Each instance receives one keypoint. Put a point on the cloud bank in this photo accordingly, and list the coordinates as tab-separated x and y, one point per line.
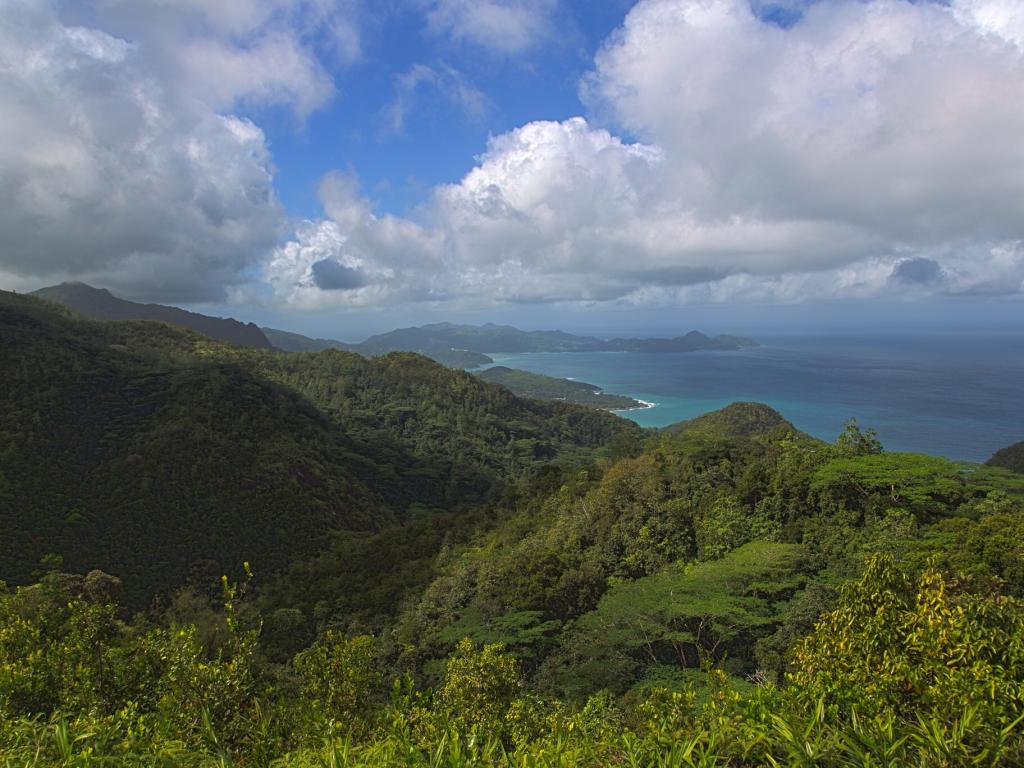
858	149
869	148
120	161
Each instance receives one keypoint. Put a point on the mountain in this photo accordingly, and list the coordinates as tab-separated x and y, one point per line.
101	304
154	453
452	358
526	384
455	346
505	338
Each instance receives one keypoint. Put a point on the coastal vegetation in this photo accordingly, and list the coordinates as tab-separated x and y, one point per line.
536	385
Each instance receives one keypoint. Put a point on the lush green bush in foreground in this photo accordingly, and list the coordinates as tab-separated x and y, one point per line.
905	671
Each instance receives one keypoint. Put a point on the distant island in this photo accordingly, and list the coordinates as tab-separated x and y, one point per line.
467	346
506	339
451	345
541	387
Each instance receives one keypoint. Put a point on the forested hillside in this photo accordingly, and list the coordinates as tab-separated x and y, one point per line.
442	574
160	455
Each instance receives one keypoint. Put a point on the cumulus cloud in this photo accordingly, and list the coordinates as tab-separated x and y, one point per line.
105	176
265	52
502	27
844	153
121	162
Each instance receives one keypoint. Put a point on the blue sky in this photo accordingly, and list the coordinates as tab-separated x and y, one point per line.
344	166
440	137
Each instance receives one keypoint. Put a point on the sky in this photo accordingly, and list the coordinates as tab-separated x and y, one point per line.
340	167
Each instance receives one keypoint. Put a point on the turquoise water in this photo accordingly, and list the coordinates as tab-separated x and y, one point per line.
960	396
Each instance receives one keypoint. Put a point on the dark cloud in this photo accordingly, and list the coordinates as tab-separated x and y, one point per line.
918	271
332	275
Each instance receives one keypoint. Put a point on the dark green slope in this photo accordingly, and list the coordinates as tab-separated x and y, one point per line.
479	436
121	452
152	452
1011	457
101	304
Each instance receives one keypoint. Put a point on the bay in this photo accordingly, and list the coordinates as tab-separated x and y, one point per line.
957	395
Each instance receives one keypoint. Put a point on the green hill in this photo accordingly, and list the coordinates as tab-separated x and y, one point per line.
154	453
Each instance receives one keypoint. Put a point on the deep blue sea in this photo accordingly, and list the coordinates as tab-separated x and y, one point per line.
960	396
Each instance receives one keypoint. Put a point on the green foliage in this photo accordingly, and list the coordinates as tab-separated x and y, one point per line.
479	685
926	486
340	680
921	648
683	616
726	524
905	671
853	441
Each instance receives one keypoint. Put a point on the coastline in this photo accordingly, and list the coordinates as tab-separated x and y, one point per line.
645	406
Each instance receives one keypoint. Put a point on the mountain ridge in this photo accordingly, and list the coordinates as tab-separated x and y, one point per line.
101	304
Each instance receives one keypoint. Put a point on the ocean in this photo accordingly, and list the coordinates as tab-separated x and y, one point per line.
955	395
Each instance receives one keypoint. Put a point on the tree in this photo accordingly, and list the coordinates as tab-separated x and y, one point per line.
853	441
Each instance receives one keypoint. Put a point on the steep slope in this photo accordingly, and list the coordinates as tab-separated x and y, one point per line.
101	304
152	452
122	452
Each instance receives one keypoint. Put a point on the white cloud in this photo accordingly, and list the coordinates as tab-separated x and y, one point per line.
266	52
895	117
771	162
105	175
499	26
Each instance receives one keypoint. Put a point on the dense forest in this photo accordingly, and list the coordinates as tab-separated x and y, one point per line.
152	452
422	569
